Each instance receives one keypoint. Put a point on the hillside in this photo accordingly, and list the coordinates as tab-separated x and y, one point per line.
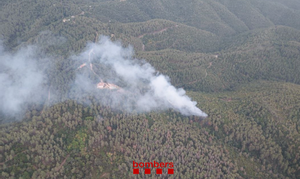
221	18
268	54
242	143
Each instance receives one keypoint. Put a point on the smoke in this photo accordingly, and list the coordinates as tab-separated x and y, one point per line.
134	84
21	79
143	89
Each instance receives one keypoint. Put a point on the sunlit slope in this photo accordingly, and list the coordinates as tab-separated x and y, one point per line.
156	34
265	36
184	69
161	34
269	54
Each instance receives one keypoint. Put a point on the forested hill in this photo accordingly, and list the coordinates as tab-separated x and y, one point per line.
239	59
24	19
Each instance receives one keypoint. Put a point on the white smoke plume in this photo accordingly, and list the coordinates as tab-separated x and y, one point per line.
143	89
138	87
21	79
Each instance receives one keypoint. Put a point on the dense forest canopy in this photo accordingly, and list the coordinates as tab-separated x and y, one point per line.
238	59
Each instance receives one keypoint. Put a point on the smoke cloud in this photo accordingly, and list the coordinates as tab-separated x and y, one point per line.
106	70
142	89
21	79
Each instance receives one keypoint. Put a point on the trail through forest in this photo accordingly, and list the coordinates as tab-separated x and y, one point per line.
64	161
153	33
157	31
210	64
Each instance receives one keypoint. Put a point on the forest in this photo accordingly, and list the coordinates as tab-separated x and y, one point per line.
240	60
